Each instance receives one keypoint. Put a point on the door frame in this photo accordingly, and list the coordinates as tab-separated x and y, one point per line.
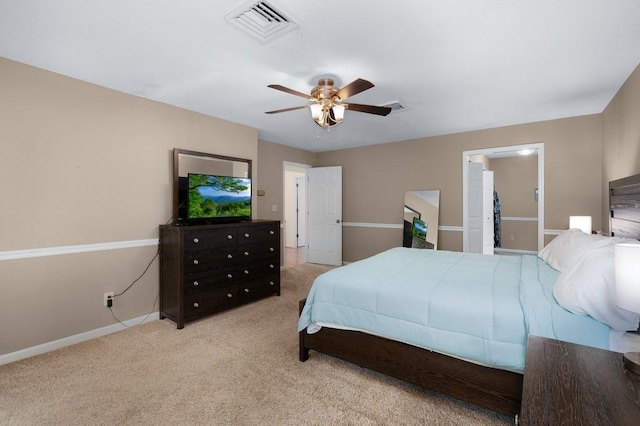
300	184
301	168
503	151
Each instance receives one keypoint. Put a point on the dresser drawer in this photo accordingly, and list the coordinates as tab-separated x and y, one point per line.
261	269
259	251
256	234
200	260
197	306
197	239
207	281
259	288
214	277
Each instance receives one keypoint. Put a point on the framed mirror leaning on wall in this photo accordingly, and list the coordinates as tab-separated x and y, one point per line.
421	212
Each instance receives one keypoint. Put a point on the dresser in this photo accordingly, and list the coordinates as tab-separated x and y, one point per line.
572	384
206	269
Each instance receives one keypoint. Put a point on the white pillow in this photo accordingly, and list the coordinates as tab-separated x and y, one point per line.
588	287
569	247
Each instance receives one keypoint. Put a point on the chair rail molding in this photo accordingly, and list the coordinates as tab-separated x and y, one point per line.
80	248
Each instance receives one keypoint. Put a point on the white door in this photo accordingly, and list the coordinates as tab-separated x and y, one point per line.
487	212
475	203
324	202
480	209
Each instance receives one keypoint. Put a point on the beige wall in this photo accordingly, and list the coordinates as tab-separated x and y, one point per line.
376	177
621	136
81	164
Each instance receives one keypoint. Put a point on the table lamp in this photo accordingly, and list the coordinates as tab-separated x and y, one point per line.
627	276
582	223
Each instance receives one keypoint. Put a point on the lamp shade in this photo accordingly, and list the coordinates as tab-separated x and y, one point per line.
316	111
582	223
627	273
338	112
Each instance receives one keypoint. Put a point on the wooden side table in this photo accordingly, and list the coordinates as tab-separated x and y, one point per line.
572	384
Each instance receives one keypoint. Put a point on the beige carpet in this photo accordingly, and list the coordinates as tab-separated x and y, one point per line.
239	367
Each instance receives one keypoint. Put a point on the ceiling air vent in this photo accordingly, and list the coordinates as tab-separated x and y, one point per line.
395	107
261	20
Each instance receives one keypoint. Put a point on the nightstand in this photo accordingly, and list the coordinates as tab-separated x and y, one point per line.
572	384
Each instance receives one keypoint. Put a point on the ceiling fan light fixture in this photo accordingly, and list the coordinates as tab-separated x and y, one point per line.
327	117
316	111
327	109
338	112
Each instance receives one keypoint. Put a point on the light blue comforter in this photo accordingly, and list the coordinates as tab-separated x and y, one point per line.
471	306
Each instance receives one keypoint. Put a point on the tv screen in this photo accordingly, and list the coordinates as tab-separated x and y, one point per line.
419	229
218	198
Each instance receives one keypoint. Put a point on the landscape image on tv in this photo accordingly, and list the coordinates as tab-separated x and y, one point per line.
419	229
213	196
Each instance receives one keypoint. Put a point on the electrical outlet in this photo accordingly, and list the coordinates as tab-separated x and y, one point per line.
108	296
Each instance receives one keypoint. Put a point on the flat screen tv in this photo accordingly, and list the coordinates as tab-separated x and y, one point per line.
216	198
419	229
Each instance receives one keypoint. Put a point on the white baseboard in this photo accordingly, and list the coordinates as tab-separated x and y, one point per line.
72	340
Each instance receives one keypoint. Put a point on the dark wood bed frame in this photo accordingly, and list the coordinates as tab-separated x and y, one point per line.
495	389
498	390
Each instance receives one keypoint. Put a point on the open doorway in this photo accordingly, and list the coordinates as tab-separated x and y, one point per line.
294	215
533	219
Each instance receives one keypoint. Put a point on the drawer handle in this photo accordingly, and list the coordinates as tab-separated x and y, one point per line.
246	235
195	261
271	249
229	237
229	295
229	276
196	283
229	256
271	232
271	266
246	253
246	272
195	305
196	240
246	290
271	283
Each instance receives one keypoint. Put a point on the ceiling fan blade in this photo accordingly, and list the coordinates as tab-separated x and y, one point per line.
286	109
354	88
290	91
369	109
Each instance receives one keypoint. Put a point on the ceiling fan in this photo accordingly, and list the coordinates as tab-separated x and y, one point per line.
327	109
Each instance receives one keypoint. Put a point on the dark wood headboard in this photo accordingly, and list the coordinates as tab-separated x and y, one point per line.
624	203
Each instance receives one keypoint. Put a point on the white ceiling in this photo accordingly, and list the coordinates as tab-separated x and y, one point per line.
454	65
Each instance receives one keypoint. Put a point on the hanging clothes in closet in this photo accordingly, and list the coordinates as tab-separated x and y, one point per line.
497	235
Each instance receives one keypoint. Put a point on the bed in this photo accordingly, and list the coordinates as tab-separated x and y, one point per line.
461	330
